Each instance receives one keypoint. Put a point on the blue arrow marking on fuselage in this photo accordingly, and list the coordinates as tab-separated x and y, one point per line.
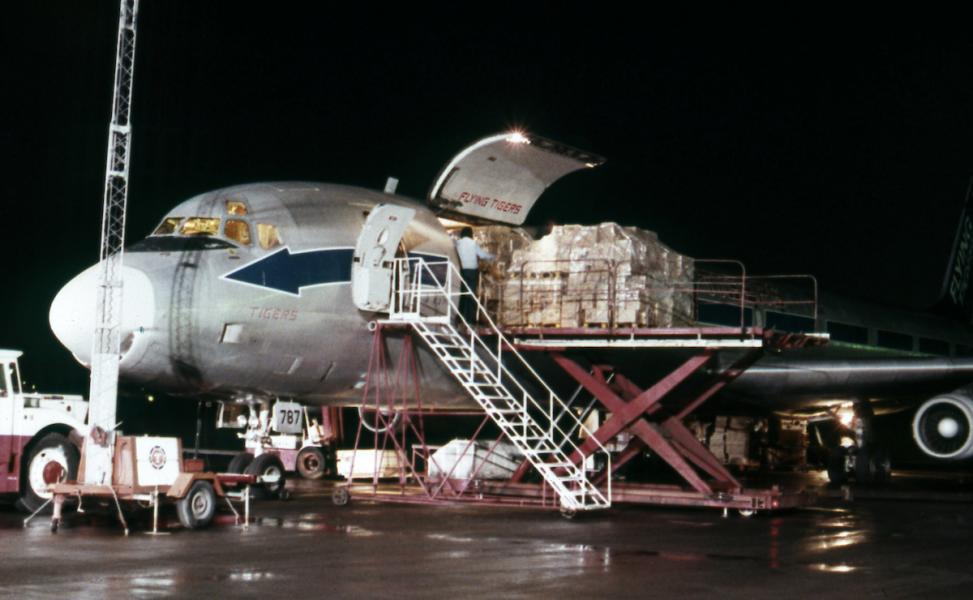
288	272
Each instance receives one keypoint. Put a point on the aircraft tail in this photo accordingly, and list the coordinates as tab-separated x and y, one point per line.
956	298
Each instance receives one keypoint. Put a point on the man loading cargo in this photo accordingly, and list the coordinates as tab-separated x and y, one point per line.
470	254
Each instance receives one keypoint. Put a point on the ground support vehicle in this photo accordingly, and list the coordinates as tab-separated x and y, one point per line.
40	437
284	438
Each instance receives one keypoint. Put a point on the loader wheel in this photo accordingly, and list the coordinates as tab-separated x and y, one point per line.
52	460
239	462
269	468
311	463
872	466
837	473
196	508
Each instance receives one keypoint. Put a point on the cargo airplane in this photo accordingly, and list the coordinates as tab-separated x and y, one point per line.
264	291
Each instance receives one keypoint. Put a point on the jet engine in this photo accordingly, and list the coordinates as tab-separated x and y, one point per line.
943	426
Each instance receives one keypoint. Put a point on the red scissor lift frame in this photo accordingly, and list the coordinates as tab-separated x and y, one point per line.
394	395
654	416
658	426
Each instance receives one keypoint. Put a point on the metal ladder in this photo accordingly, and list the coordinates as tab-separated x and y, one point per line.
544	430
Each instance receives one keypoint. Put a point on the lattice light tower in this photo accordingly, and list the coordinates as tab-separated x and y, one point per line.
106	346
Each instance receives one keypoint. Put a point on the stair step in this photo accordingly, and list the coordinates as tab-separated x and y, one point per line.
559	465
540	451
476	371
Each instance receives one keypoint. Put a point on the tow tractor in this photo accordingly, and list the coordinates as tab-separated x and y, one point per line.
280	438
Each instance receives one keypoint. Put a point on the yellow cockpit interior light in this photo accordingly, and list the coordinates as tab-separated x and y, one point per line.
267	236
168	226
200	226
238	231
236	208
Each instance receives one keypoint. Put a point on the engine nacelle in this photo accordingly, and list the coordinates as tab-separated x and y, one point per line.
943	426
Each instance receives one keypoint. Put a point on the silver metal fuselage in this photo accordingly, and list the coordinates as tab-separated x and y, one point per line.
209	335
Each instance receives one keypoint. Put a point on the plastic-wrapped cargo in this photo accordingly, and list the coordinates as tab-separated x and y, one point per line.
587	276
501	242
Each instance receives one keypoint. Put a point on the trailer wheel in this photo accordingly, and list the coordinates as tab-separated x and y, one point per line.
53	459
197	507
239	462
340	496
311	463
271	470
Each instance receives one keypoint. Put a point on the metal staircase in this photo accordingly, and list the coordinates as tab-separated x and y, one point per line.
538	423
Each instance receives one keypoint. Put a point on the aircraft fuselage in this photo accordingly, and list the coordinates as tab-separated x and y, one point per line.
249	295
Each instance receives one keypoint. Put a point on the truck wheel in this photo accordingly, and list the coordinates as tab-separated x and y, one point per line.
271	470
53	459
311	463
197	507
239	462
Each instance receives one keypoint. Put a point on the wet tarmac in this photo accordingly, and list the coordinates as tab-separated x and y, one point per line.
309	548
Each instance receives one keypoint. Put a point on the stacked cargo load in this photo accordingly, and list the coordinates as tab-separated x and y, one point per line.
586	276
500	241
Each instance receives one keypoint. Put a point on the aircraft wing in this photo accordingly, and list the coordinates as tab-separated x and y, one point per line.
786	378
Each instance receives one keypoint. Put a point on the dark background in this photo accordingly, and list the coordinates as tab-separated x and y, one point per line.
834	148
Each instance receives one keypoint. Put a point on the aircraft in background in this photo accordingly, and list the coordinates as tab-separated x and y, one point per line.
263	291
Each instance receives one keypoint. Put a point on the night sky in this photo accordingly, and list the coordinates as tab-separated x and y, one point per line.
839	152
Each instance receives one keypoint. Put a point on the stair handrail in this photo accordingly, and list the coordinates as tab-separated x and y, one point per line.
410	273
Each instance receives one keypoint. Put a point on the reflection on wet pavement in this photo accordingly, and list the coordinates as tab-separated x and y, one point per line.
309	547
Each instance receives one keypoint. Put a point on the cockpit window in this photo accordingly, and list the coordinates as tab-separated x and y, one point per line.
200	226
268	236
168	226
236	207
238	231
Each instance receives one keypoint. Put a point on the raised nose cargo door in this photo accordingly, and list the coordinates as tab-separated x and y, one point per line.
371	265
500	177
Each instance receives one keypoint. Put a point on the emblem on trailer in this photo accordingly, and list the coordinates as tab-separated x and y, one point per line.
157	457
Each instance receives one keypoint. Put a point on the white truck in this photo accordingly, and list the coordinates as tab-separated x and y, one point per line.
40	437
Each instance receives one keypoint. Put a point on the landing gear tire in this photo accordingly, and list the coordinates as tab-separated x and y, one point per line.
311	463
271	470
340	496
837	474
239	462
872	466
52	460
197	508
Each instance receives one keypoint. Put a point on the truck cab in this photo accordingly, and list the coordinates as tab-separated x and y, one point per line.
39	436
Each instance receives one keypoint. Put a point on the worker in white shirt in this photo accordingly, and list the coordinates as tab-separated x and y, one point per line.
470	254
